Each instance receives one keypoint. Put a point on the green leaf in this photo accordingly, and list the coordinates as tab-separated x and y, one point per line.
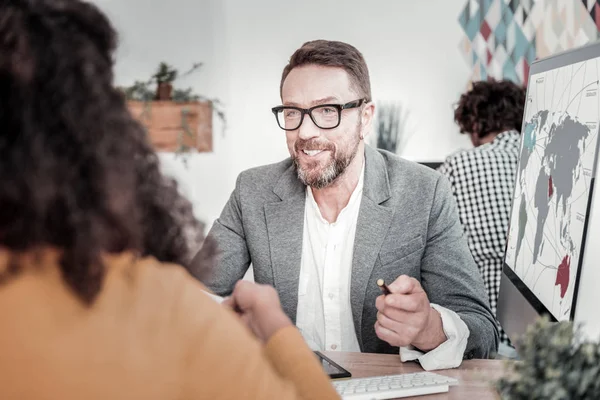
555	364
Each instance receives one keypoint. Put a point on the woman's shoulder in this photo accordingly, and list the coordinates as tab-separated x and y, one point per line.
174	284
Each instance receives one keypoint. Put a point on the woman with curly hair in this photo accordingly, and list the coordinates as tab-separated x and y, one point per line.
94	301
482	178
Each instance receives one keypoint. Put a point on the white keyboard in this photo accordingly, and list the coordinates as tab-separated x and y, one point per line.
393	386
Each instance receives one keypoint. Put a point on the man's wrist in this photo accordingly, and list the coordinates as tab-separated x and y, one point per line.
433	335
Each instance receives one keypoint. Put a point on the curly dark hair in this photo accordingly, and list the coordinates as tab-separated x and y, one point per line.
76	169
491	107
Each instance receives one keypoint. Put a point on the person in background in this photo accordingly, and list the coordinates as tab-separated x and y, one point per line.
93	303
482	178
325	224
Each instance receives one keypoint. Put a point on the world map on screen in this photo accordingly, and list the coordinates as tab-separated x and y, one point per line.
554	178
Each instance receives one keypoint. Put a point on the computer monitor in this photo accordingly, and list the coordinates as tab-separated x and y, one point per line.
431	164
555	217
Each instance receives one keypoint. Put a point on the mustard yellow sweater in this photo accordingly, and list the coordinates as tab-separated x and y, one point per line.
151	334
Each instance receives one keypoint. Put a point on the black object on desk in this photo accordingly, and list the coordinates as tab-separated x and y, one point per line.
331	368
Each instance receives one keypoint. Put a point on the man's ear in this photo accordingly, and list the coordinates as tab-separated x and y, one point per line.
367	115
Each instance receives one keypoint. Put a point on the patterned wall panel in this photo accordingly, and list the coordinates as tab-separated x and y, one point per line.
503	37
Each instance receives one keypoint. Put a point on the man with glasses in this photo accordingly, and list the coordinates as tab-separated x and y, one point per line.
324	225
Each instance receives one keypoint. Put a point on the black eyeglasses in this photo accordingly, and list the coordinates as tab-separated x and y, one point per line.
325	116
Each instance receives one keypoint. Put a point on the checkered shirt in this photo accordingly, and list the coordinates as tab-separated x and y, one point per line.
482	181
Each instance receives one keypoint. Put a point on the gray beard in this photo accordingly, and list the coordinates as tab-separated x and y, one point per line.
324	179
333	171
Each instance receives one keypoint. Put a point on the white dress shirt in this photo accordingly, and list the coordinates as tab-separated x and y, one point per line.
324	314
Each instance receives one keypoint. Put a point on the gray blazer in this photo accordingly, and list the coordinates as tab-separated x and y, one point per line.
407	224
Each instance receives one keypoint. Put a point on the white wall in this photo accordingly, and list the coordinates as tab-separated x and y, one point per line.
181	32
411	48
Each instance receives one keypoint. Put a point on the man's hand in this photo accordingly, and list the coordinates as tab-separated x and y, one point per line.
259	308
405	317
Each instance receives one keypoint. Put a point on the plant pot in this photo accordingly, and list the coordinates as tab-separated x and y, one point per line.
164	91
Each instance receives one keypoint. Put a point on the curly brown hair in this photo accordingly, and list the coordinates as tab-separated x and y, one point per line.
76	169
491	107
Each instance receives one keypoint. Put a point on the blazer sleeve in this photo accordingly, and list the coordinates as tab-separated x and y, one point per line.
450	276
227	362
233	255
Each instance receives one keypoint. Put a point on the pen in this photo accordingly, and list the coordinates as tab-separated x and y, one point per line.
383	287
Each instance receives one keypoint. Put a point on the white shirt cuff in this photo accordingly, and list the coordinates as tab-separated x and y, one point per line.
448	354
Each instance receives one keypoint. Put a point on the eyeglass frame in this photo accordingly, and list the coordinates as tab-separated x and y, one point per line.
308	111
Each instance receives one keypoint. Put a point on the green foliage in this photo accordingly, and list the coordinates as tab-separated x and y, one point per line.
556	363
165	73
146	90
139	91
184	95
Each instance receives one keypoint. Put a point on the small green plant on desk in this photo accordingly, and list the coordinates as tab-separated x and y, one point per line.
556	363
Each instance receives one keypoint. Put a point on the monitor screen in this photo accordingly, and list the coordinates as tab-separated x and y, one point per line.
431	164
553	185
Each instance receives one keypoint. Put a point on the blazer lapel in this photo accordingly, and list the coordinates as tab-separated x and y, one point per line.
285	228
374	220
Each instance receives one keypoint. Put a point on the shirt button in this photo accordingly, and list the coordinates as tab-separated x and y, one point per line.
331	296
333	346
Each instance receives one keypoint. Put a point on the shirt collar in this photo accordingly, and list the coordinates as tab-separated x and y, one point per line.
356	194
505	136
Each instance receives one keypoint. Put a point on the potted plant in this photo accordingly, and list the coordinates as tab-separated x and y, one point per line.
164	77
556	363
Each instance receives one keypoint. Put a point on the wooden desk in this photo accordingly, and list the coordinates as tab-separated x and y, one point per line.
475	377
